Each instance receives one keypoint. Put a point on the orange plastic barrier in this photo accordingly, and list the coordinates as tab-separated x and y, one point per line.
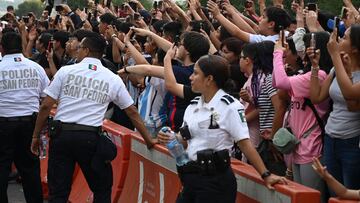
152	176
338	200
251	188
80	191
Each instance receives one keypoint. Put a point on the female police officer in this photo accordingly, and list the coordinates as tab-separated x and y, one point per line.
212	122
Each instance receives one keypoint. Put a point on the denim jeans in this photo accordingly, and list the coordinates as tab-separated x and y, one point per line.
342	159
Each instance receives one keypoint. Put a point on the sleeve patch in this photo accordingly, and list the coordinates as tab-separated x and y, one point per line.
241	113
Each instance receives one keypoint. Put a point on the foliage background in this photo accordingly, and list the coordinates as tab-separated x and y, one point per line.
36	6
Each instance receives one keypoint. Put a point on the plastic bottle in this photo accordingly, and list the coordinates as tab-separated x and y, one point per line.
175	148
150	126
43	143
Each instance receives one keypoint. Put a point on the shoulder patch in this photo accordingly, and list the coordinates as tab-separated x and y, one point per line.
227	99
241	113
195	100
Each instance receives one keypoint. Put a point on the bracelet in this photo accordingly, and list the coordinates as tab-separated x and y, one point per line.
113	35
289	173
265	174
315	68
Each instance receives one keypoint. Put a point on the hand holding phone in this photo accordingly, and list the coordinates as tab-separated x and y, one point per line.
50	45
155	5
59	8
25	19
312	7
313	42
177	40
57	19
282	35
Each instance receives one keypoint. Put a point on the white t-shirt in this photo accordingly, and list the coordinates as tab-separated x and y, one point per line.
84	91
22	83
229	117
259	38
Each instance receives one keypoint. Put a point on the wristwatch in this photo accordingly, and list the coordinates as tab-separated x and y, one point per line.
265	174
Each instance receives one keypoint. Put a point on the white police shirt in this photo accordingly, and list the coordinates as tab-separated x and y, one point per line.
227	125
22	83
84	91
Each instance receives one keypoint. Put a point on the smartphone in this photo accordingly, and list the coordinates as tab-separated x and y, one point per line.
336	25
160	5
312	7
25	19
57	19
49	47
136	16
313	41
282	36
59	8
177	40
89	15
133	5
248	4
155	5
343	14
108	3
86	10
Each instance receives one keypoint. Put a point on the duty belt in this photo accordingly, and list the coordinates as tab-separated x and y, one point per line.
78	127
16	119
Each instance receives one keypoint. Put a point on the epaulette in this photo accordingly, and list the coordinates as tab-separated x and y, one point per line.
195	100
227	99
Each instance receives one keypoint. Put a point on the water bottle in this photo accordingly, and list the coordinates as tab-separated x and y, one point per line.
151	127
43	143
175	148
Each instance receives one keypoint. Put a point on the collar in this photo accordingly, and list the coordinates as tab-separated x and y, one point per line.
91	60
213	102
11	57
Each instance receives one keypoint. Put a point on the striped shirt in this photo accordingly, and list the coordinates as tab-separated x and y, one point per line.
265	106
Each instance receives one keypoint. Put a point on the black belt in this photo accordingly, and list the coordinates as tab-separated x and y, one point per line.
78	127
16	119
189	167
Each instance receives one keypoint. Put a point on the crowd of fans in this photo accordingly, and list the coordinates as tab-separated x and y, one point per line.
296	71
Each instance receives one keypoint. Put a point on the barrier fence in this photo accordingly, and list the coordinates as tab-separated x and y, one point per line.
142	175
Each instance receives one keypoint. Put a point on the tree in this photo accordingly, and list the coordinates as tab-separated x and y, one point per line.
34	6
77	3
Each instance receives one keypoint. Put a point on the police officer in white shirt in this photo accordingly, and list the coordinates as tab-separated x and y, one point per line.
21	87
212	122
83	92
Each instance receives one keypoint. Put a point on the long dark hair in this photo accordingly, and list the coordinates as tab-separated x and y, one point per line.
262	56
354	36
325	62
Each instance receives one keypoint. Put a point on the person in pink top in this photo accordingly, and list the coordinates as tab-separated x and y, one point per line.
301	118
